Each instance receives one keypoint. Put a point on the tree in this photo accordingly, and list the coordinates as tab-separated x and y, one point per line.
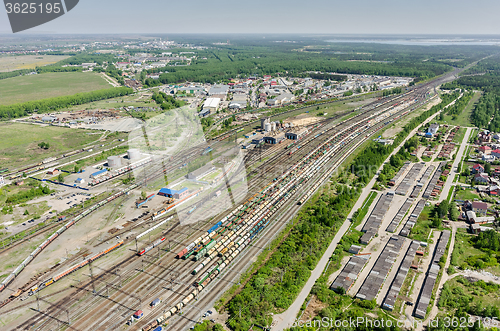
60	178
454	213
143	195
26	212
487	168
436	222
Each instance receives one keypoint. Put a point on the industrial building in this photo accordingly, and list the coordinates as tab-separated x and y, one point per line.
433	129
274	139
176	194
296	135
114	161
99	173
211	104
258	139
200	172
263	122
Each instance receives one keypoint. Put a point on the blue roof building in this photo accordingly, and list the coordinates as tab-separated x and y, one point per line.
177	194
98	173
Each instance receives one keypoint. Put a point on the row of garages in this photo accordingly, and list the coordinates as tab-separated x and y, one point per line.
398	175
381	269
400	215
412	220
373	222
409	179
432	274
422	181
397	283
431	189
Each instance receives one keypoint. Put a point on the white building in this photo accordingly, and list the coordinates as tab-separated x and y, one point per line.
211	103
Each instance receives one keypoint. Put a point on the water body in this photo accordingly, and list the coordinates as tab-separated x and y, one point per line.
422	41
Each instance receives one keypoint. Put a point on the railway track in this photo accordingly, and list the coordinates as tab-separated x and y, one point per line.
183	269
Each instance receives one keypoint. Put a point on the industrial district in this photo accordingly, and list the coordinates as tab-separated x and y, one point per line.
163	217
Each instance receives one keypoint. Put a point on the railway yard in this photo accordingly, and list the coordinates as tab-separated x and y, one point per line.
187	251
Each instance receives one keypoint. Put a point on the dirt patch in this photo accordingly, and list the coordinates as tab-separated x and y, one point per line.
393	131
312	310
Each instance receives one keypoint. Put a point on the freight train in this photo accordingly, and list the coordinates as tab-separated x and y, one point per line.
54	279
229	236
42	246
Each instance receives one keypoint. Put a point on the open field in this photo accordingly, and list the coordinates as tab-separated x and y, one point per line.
464	118
466	195
10	63
35	87
20	142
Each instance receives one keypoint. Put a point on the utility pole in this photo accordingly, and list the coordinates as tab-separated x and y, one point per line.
92	278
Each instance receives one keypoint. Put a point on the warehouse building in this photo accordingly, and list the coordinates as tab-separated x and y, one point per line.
176	194
218	89
200	172
296	135
98	174
211	104
274	139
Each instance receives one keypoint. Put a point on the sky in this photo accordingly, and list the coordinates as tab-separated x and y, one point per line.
275	16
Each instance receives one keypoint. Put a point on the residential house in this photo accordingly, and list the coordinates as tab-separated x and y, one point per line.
481	178
488	158
479	207
485	149
477	168
494	190
495	152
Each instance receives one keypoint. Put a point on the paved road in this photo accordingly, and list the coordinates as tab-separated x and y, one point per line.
451	177
285	319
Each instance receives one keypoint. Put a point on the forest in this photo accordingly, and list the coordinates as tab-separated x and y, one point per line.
51	104
225	63
366	164
484	76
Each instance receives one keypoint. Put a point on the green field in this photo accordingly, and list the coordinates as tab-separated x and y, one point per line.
464	118
20	142
42	86
466	195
